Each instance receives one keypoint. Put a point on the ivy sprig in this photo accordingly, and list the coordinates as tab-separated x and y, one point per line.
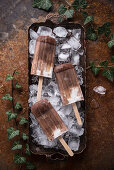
11	115
16	145
7	97
108	72
23	121
42	4
14	132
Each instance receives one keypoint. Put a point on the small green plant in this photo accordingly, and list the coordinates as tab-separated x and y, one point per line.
20	144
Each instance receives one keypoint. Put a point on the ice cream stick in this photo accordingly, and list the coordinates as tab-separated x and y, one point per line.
77	115
39	91
65	146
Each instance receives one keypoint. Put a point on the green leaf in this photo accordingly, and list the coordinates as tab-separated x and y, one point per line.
42	4
88	19
19	159
107	33
11	115
91	64
112	59
90	34
18	86
111	43
62	9
104	64
109	74
18	106
9	77
95	70
104	29
67	12
112	37
78	4
30	166
7	97
16	145
24	136
23	121
12	133
85	15
27	150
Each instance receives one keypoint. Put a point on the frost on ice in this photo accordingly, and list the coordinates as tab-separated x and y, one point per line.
68	49
99	89
33	34
32	44
63	57
44	31
74	144
60	31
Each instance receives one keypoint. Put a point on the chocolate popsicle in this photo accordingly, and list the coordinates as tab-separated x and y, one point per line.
50	122
43	60
69	86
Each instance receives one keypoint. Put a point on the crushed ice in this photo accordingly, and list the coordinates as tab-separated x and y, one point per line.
68	49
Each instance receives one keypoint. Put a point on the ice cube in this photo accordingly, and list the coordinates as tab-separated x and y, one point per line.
74	144
80	79
44	31
41	139
63	57
33	34
76	33
79	70
65	46
77	131
33	120
75	59
99	89
74	43
32	100
60	31
80	51
33	90
66	109
51	93
58	47
71	122
32	44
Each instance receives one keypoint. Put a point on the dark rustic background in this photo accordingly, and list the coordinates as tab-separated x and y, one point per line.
15	18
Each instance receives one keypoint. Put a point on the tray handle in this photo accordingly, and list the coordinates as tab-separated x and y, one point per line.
56	18
56	156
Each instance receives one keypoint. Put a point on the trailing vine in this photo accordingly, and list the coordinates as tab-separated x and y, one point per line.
14	114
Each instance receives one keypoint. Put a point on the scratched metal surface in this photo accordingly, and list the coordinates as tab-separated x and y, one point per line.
15	18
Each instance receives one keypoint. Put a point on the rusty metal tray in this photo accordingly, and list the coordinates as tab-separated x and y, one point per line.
38	149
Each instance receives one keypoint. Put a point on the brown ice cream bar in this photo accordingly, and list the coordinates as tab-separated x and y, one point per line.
48	118
43	60
68	83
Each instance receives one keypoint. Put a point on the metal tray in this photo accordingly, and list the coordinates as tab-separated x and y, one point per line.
38	149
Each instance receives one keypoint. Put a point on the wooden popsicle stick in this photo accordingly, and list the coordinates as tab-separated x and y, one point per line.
39	91
65	146
77	114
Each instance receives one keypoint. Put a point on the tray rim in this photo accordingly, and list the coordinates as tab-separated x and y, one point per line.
50	154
